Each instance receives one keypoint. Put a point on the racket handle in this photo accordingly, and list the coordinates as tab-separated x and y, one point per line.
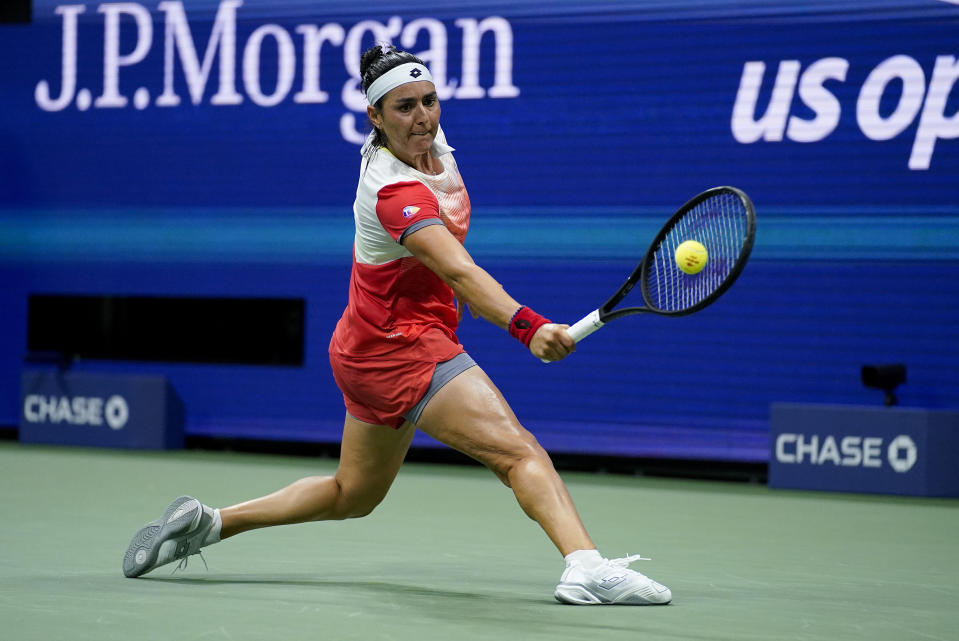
583	328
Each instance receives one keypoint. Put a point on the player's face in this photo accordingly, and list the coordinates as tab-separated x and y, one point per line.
410	119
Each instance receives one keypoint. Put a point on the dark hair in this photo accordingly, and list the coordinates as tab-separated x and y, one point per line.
374	62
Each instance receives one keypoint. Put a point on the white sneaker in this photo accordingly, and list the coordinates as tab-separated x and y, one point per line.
179	533
610	582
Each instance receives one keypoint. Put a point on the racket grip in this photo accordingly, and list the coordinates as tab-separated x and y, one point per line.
583	328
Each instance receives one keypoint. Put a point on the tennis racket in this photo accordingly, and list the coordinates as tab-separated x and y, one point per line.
723	221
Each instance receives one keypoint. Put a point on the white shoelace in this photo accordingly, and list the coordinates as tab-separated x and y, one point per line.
185	561
626	560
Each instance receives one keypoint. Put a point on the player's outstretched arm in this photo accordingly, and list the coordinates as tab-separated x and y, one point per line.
436	248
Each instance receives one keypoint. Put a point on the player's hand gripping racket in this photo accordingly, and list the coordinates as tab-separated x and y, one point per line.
696	257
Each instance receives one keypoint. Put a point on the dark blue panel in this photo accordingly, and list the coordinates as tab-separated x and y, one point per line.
851	448
697	386
93	410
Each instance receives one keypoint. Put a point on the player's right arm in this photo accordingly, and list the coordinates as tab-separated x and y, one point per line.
435	247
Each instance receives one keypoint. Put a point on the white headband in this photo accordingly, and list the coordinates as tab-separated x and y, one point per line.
407	72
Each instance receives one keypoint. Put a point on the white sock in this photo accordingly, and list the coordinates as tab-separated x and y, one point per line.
586	558
213	536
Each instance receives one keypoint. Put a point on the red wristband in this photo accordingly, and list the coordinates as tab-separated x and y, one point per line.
524	324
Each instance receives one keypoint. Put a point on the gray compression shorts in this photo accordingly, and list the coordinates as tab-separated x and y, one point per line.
443	374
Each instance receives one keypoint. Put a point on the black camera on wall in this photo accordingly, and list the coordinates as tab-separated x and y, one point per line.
885	377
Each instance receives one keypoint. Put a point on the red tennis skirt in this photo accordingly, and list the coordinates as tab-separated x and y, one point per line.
382	389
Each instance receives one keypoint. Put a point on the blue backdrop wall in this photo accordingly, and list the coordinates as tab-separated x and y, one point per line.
210	148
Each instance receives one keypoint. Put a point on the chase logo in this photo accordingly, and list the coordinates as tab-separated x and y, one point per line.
848	451
902	453
410	210
77	410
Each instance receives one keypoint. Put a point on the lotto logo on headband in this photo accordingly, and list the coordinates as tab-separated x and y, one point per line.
409	210
416	73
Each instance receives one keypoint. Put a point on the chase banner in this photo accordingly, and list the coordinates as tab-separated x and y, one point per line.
96	410
875	450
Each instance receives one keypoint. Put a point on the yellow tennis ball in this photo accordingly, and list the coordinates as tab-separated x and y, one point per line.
691	257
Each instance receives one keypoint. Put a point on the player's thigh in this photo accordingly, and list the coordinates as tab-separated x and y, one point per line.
370	457
471	415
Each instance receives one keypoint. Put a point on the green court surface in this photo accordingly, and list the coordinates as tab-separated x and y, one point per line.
449	555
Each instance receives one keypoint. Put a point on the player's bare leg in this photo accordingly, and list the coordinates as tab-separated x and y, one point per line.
470	414
370	457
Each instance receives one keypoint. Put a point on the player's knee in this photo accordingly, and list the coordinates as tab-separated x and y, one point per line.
359	511
524	456
364	507
355	504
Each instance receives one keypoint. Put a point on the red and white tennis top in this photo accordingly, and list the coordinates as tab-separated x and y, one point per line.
400	314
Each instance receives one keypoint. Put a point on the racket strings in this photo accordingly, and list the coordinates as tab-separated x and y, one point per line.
720	223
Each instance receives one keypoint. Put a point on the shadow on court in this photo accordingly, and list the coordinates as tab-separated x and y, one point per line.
379	590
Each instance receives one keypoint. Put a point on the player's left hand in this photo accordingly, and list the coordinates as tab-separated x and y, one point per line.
552	342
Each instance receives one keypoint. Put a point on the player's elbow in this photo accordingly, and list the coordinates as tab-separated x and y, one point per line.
462	276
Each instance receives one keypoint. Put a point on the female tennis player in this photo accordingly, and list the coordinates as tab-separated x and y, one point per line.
399	365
